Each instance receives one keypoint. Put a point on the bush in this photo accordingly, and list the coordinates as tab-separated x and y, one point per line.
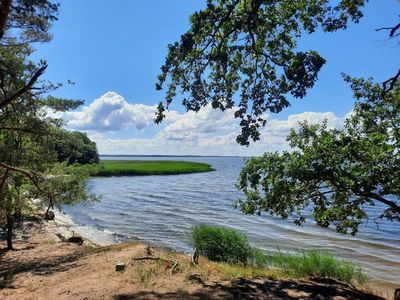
221	244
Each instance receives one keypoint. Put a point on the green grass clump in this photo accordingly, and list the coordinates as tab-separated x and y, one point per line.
221	244
227	245
148	167
316	263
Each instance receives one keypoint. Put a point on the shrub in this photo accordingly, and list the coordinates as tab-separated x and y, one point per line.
221	244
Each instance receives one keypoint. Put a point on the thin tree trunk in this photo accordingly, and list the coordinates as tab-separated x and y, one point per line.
4	12
10	224
48	209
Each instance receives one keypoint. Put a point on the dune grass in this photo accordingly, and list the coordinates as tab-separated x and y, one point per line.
235	255
149	167
221	244
315	263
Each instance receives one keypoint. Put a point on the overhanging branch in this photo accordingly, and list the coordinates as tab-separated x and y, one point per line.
25	89
389	84
30	175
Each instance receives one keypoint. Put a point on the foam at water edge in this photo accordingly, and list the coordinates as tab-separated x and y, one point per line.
99	237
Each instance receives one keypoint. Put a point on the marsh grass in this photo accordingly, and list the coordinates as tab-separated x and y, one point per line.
315	263
237	258
234	271
221	244
148	167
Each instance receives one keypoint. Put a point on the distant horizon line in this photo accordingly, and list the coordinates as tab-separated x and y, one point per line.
165	155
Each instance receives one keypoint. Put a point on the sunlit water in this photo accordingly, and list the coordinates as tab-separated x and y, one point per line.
162	209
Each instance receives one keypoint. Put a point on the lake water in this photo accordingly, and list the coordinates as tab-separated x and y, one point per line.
162	209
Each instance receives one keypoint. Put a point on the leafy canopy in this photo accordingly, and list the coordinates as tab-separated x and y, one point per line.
248	48
28	166
74	147
335	172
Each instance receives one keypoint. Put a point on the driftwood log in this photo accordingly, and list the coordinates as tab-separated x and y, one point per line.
195	257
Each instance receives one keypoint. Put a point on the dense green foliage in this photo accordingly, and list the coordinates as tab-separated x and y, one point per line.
75	148
248	48
28	168
335	172
149	167
221	244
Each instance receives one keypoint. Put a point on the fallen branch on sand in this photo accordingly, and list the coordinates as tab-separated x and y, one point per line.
174	266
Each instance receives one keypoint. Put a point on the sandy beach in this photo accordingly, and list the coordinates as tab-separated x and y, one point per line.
43	266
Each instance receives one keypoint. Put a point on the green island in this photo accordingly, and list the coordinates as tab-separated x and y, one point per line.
149	167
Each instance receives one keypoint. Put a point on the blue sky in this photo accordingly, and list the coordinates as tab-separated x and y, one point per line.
113	52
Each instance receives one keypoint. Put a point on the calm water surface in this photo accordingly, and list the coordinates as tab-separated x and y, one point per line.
162	209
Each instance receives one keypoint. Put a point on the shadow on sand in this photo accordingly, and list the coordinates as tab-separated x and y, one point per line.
44	267
263	289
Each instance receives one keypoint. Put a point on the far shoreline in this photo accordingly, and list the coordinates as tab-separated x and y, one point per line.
166	155
108	168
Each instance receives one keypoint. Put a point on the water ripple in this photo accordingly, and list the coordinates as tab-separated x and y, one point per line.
162	209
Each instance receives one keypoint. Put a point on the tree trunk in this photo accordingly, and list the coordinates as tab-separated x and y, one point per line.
10	223
4	12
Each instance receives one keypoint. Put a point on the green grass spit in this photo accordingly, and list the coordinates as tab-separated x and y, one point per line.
148	167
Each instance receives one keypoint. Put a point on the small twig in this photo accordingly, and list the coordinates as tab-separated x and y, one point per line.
148	250
61	237
392	29
174	267
148	257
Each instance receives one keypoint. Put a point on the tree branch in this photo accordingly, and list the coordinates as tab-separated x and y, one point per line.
379	198
26	130
392	29
28	174
391	82
25	89
3	181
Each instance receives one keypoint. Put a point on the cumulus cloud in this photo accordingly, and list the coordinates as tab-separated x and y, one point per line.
277	127
208	132
111	112
207	122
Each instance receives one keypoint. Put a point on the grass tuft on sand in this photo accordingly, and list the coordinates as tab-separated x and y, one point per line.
148	167
236	257
315	264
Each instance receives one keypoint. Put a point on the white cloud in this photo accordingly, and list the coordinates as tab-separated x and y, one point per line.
111	112
208	132
280	128
207	122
